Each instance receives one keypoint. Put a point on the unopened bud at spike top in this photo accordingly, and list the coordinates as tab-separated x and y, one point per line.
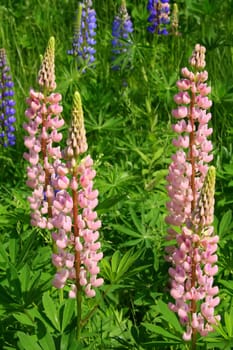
46	75
175	19
197	59
205	207
76	143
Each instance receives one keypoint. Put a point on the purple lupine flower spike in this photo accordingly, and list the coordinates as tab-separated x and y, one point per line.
159	16
7	110
121	28
84	35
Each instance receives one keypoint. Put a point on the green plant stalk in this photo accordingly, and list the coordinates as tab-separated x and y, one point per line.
77	28
91	313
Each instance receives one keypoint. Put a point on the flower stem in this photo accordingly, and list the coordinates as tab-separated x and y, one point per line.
193	204
194	339
192	158
77	259
47	174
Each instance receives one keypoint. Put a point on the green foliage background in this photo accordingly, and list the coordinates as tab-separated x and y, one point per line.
129	136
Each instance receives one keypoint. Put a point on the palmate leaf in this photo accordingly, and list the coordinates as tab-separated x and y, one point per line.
126	230
139	224
126	262
101	124
120	266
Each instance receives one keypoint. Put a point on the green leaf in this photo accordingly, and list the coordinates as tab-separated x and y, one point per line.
169	316
159	330
50	310
26	249
106	268
24	319
14	282
126	230
131	242
157	155
229	324
67	313
110	202
225	223
47	342
25	277
12	249
227	284
115	261
28	342
68	341
3	254
7	301
221	331
138	223
142	155
126	262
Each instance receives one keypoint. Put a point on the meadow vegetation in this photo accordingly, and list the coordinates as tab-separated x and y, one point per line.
128	118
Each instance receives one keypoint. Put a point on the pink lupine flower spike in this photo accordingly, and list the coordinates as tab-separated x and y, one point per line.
191	191
74	217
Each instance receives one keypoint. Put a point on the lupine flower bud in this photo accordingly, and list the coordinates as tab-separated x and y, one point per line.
175	20
121	28
7	103
191	207
84	35
76	143
159	16
46	76
198	57
204	213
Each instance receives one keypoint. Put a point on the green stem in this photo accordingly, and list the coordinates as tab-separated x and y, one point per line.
91	313
79	313
61	294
